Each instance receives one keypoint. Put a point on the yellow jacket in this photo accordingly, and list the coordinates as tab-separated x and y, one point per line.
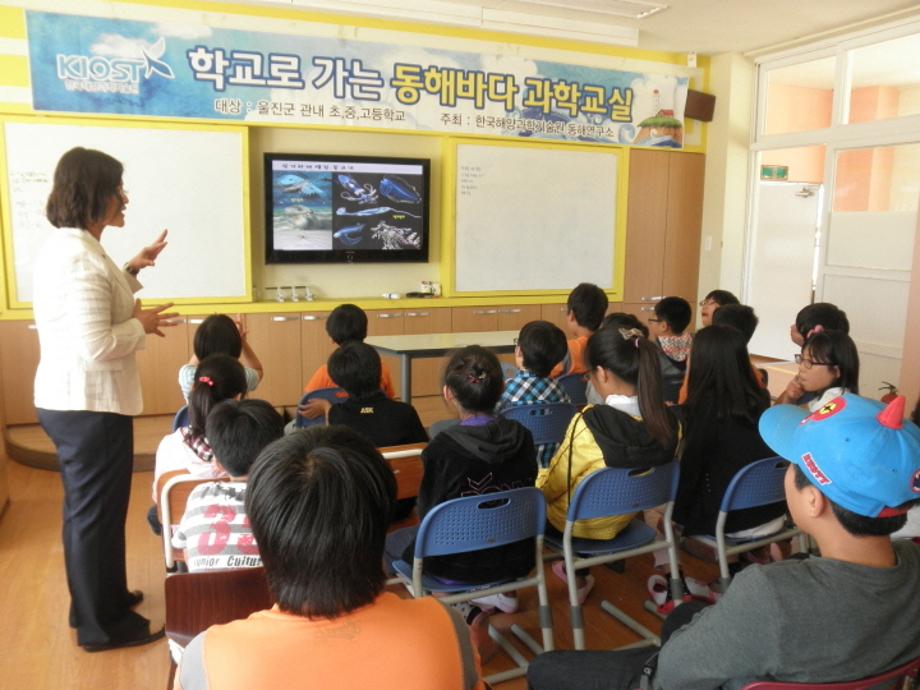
627	444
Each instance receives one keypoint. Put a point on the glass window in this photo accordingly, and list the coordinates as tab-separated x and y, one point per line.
800	97
886	80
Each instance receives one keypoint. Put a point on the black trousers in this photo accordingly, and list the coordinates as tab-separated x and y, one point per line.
96	454
614	670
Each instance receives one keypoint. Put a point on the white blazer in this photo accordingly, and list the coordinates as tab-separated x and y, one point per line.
83	304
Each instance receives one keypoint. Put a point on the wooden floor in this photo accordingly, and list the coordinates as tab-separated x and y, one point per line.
38	651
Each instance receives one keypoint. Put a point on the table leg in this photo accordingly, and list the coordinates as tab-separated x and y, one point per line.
405	377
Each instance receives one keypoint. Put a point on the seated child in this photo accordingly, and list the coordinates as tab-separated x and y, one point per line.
480	455
346	323
633	428
585	309
820	315
319	502
828	367
540	346
711	303
669	329
220	335
617	319
355	367
214	531
848	614
217	378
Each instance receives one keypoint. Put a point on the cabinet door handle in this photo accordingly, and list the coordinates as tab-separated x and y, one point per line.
416	314
653	298
196	322
281	319
515	310
646	308
313	317
32	327
485	312
389	315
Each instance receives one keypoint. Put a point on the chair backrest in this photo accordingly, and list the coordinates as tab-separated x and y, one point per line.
406	463
173	490
473	523
888	679
333	395
621	491
196	601
758	484
181	418
577	388
546	422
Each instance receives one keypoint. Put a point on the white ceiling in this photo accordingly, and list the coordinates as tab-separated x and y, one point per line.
702	26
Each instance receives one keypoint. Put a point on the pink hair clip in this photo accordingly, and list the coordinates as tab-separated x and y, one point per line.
206	380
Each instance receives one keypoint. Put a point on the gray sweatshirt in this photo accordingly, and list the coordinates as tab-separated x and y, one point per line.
813	620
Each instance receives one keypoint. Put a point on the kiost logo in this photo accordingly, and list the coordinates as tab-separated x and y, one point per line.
102	74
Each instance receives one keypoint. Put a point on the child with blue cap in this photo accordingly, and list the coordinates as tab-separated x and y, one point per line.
851	613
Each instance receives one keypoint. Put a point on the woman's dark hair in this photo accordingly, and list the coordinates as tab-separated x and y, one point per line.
739	316
238	430
836	348
676	312
217	378
85	181
721	297
317	563
721	382
620	319
855	524
633	359
543	345
346	322
217	335
474	375
355	367
824	314
587	303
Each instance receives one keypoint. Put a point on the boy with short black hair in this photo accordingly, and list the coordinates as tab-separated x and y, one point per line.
818	316
585	309
712	302
739	316
849	614
237	430
355	367
541	345
669	329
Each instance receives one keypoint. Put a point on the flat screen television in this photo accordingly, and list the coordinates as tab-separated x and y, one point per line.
346	209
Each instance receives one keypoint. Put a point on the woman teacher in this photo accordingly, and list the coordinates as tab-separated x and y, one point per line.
87	388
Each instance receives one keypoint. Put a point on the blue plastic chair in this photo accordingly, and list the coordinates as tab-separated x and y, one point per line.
577	388
181	418
474	523
546	422
333	395
610	492
759	484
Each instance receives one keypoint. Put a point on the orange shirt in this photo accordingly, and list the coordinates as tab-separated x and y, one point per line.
321	379
576	358
391	644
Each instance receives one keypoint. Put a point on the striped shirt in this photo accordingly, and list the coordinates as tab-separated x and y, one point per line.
215	531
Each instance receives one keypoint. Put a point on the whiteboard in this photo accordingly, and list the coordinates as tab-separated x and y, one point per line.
189	180
534	218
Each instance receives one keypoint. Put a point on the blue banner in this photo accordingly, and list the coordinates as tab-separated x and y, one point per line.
118	66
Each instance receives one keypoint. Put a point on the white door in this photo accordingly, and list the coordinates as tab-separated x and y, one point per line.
782	263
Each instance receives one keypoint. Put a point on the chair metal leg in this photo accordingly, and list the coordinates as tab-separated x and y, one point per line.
630	623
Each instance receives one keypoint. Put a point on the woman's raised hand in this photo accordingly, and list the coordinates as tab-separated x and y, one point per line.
154	319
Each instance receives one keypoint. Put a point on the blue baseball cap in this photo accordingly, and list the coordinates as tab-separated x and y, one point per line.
863	455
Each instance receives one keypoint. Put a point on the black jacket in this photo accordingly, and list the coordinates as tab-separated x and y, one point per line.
470	461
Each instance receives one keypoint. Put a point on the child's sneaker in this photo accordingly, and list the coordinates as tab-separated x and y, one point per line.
583	591
507	603
659	590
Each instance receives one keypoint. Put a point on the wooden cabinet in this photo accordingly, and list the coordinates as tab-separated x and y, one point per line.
388	322
641	309
158	366
513	317
19	355
315	344
555	313
474	319
427	373
664	220
276	340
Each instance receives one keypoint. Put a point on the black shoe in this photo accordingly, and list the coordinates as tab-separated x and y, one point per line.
153	519
143	637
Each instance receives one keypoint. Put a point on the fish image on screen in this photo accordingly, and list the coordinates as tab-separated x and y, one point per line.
345	209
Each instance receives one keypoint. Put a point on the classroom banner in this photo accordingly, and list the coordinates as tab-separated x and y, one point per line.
126	67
